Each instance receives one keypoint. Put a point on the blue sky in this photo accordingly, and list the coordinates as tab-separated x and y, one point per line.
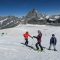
21	7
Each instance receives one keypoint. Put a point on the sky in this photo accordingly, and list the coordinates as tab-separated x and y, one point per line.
22	7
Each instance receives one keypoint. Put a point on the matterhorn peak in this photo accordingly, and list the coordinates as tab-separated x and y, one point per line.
34	13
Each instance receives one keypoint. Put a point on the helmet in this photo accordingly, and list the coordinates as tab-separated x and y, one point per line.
39	31
53	35
26	32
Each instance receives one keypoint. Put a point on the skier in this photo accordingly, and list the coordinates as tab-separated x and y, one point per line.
53	42
26	35
2	34
38	37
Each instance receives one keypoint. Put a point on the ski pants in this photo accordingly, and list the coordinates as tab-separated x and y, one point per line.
26	41
52	44
38	43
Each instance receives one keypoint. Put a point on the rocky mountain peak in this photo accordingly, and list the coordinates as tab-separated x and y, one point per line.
34	13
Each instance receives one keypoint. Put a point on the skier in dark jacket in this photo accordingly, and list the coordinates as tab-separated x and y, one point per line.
53	42
38	37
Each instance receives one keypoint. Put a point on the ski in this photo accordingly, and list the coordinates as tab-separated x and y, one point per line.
31	47
49	49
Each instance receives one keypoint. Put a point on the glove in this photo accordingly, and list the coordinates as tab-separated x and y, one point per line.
32	37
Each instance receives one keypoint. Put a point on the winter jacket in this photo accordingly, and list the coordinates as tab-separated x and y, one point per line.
53	40
38	37
26	36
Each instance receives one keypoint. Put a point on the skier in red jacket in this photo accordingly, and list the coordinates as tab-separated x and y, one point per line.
26	36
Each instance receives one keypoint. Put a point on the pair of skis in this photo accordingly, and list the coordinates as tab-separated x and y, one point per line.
31	47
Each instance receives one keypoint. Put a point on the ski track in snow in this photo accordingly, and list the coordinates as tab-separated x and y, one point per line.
12	49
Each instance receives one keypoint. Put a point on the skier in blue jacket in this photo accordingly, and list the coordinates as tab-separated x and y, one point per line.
53	42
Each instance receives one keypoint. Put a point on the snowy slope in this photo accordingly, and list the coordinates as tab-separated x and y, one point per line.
12	49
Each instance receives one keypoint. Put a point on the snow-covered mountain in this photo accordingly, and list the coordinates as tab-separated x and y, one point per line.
8	21
54	17
54	20
34	16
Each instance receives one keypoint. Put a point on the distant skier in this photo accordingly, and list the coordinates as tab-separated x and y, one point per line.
38	37
26	35
2	34
53	42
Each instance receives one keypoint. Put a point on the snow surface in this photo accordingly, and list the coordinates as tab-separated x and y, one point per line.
12	49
